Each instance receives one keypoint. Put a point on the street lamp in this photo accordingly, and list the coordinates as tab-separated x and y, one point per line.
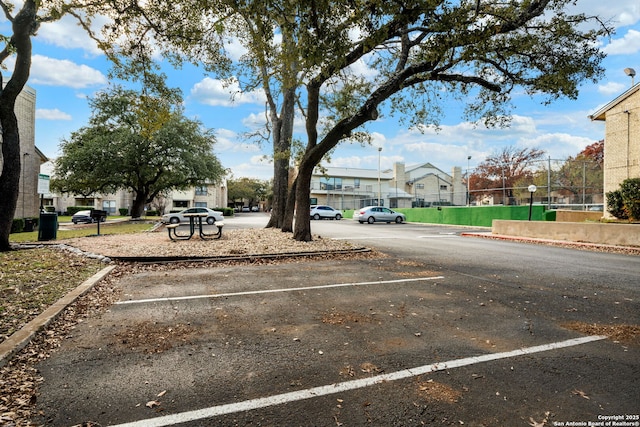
631	73
532	189
379	186
468	188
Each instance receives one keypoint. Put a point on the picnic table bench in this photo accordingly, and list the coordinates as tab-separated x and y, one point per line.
195	221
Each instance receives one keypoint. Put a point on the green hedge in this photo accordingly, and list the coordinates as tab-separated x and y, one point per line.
20	224
477	216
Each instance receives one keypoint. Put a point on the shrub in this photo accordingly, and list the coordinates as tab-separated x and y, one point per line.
153	213
615	205
630	192
225	211
123	211
17	225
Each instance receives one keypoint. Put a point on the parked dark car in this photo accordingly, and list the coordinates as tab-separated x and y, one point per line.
84	217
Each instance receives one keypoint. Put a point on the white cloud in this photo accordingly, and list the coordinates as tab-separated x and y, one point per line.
627	45
61	72
611	89
229	141
557	145
254	121
619	12
257	167
66	33
55	114
216	92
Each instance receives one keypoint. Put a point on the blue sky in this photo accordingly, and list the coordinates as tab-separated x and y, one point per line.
67	69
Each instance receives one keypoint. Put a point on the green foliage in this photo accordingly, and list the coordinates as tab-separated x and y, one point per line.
247	189
630	193
17	225
615	205
125	211
126	147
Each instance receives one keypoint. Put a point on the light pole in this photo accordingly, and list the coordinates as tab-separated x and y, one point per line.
532	189
468	187
379	186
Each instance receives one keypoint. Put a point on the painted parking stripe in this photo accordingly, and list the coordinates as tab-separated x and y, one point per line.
294	396
272	291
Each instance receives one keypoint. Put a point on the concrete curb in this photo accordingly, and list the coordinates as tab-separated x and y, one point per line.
21	338
635	250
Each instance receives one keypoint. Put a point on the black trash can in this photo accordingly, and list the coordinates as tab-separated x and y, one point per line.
29	225
48	227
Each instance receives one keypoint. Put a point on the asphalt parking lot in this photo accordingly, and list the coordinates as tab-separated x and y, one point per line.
413	336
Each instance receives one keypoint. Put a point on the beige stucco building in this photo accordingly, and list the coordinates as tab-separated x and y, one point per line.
621	138
400	187
208	196
28	199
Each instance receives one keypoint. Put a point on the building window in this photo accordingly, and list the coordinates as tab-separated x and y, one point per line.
356	183
443	187
331	184
109	206
201	190
420	186
180	203
200	204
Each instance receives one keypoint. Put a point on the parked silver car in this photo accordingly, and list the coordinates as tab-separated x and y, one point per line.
178	217
321	211
373	214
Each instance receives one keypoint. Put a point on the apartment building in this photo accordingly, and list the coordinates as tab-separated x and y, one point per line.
621	138
399	187
28	199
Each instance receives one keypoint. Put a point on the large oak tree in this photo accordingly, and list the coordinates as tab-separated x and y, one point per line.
139	143
347	63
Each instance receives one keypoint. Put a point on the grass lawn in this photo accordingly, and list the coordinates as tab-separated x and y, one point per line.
87	230
32	279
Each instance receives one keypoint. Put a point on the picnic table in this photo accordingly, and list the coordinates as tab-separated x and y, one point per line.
195	221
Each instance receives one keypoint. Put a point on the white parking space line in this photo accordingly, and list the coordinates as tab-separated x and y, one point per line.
364	238
272	291
294	396
436	236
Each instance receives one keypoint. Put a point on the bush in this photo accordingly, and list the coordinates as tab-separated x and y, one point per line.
630	192
152	213
123	211
225	211
615	205
17	225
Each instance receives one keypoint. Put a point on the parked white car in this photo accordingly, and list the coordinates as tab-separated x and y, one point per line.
373	214
321	212
178	217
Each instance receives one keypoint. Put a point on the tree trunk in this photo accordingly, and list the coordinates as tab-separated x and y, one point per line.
283	134
302	230
11	167
287	223
24	24
137	207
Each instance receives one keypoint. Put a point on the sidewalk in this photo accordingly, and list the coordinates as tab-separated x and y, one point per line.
631	250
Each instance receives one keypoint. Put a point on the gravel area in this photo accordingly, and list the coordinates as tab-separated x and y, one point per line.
255	241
